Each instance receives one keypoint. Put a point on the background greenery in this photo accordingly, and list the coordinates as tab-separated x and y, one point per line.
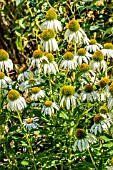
19	35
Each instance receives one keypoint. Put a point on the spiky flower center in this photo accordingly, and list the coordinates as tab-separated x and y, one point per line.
51	14
98	56
47	34
35	90
48	103
3	55
13	95
2	75
50	57
74	25
92	41
103	109
98	118
104	81
22	69
84	67
68	56
81	52
29	121
80	134
88	88
68	90
108	46
111	89
32	81
45	53
37	54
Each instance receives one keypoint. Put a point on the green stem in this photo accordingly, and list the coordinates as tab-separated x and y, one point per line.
50	86
75	48
106	67
70	140
61	166
102	159
92	160
28	137
0	100
5	150
31	150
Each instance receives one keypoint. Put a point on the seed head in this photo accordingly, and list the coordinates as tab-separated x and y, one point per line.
88	88
35	90
103	109
98	118
37	54
50	57
108	46
84	67
2	75
13	95
47	34
3	55
68	56
92	41
48	103
68	90
80	134
81	52
51	15
74	25
104	81
29	121
98	56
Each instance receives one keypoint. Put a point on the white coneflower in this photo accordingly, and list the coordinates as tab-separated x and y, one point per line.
104	112
69	97
48	42
104	85
74	33
51	21
4	80
108	50
98	61
26	85
51	67
100	124
49	107
93	46
68	61
82	56
37	59
83	140
37	93
5	63
87	75
30	123
89	93
15	101
24	74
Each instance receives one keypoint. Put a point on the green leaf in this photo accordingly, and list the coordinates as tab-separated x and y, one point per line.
18	2
63	115
92	28
108	145
19	44
108	31
25	162
105	138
